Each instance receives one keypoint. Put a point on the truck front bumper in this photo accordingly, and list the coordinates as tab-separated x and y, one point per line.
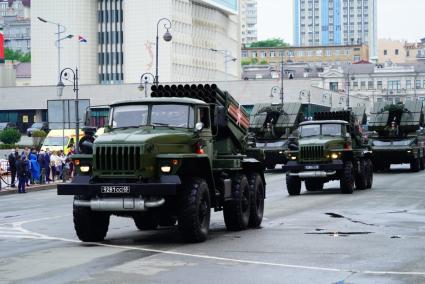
294	166
81	185
273	157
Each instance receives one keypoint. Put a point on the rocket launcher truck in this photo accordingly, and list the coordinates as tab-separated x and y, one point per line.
169	159
398	135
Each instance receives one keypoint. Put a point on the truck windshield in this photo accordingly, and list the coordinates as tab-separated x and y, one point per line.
327	129
173	115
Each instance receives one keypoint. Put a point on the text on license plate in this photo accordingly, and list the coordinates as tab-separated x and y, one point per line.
114	189
315	167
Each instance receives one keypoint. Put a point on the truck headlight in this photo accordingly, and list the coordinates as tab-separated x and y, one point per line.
165	169
85	169
409	151
293	158
334	156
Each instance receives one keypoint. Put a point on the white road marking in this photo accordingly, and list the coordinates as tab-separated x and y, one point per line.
26	234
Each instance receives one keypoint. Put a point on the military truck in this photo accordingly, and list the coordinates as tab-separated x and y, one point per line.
330	148
398	136
271	125
166	159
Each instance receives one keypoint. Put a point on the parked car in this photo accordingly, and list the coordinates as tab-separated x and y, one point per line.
38	126
5	125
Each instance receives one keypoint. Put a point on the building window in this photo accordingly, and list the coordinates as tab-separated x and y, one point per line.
396	52
244	54
394	85
385	52
355	85
272	53
263	54
418	84
333	86
370	85
379	85
408	84
254	54
363	85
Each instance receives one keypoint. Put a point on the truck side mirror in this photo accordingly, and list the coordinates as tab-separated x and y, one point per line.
199	126
87	117
220	116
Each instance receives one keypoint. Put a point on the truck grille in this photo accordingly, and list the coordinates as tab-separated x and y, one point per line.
117	158
311	153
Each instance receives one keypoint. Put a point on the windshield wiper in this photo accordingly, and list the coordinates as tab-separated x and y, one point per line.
162	124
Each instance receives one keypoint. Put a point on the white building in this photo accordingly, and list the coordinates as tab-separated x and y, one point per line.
336	22
248	10
121	40
394	83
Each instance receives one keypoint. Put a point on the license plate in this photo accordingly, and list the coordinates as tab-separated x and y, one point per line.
315	167
115	189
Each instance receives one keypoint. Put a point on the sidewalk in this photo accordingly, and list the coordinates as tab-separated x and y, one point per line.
34	187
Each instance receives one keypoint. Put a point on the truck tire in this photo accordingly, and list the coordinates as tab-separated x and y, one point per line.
293	185
313	185
256	187
194	210
145	221
361	176
369	171
414	165
236	212
90	226
347	178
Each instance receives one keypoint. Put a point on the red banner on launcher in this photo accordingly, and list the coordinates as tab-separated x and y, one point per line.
1	47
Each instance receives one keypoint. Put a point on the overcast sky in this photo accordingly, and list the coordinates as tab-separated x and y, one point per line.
397	19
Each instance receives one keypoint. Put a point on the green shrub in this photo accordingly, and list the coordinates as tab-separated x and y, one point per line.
38	137
10	136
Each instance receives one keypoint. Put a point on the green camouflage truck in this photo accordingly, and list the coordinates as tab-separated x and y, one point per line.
271	125
331	147
398	136
166	159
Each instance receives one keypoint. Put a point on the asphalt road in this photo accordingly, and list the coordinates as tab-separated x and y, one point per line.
371	236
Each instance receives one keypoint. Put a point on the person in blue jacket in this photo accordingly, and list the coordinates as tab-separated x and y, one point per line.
35	167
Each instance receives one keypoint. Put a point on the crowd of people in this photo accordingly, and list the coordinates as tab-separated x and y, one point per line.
35	166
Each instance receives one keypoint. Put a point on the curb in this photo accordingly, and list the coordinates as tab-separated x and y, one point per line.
30	189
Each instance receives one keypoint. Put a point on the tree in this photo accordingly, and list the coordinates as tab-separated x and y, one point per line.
271	42
17	55
10	136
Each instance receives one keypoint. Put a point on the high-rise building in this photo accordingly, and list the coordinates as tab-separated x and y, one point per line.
248	10
121	36
336	22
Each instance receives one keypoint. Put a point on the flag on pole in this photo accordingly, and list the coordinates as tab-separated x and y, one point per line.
81	39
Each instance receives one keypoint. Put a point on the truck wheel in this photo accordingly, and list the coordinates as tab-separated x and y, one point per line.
347	178
145	221
194	210
236	212
369	171
361	176
293	185
414	165
313	185
256	187
90	226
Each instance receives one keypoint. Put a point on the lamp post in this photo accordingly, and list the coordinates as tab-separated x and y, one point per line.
281	81
64	74
61	30
347	82
227	58
167	37
144	82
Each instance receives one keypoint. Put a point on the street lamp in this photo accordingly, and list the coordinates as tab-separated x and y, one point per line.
227	58
306	93
61	30
144	82
64	74
167	37
274	90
